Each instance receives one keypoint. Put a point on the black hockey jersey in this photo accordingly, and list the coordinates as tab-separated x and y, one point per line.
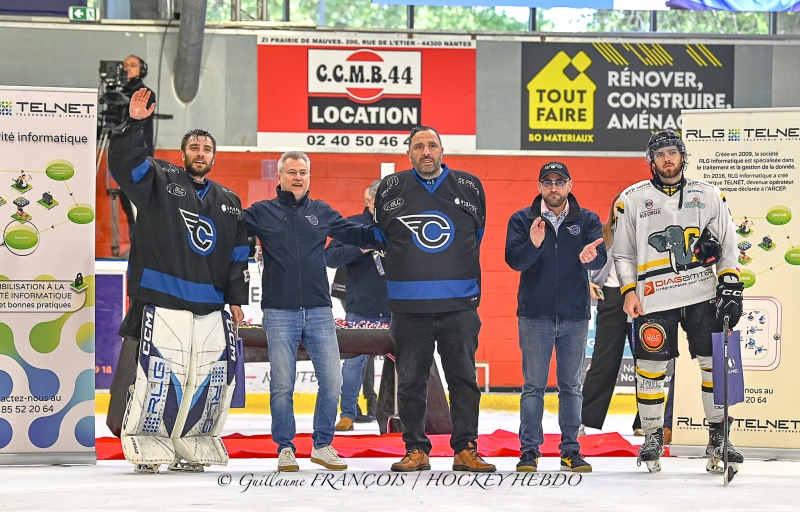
432	231
190	250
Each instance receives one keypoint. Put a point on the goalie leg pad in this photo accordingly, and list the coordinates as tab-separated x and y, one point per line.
209	389
152	410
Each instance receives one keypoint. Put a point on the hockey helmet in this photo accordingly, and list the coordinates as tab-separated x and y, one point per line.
664	139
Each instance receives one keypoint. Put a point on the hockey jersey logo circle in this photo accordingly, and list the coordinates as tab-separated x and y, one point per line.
574	230
394	203
652	336
648	203
176	190
432	231
312	219
202	233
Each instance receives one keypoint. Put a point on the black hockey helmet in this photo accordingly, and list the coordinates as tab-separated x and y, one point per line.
664	139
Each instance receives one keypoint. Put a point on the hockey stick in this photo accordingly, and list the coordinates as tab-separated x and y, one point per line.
727	471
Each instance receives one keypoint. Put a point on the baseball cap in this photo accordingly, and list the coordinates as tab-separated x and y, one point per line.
554	167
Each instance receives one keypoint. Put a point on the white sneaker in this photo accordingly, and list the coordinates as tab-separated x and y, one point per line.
327	456
286	461
582	430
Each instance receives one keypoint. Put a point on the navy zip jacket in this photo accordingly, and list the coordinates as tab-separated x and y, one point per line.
293	235
365	287
553	280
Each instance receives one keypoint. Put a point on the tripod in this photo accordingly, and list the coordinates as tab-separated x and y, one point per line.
112	191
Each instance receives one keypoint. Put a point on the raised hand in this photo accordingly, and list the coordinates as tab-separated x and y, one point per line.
537	232
589	253
138	108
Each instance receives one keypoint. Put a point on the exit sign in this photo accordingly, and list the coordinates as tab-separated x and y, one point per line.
77	13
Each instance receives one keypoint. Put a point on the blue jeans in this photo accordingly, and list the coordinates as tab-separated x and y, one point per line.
353	369
285	329
537	336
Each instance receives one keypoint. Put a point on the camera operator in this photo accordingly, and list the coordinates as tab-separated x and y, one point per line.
136	68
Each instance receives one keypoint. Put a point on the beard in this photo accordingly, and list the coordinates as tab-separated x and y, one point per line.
437	164
554	200
196	174
672	172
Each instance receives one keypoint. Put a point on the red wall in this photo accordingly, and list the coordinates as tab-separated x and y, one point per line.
509	182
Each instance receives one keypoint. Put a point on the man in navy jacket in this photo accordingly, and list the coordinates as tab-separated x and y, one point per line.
553	243
293	229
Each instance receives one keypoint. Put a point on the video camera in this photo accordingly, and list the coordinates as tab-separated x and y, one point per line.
112	100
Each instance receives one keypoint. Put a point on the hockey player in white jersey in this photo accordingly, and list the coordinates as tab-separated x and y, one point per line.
675	253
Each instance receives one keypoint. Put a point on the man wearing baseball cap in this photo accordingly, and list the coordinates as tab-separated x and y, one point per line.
553	243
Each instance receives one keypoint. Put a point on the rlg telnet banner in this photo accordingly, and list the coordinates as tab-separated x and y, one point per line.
612	96
47	292
363	92
753	156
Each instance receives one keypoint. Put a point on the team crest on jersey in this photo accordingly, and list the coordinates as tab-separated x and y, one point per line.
574	230
432	231
678	243
392	181
312	219
202	233
648	203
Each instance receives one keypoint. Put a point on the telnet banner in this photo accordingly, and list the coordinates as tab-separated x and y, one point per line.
612	96
47	286
753	155
336	91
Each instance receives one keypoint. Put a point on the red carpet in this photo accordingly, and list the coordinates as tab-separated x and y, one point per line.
499	444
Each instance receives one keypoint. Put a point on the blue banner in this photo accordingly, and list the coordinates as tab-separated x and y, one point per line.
737	5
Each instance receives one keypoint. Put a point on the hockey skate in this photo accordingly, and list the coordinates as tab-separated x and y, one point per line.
651	451
715	453
151	469
186	467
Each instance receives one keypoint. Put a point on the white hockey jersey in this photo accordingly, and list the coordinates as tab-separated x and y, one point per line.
654	242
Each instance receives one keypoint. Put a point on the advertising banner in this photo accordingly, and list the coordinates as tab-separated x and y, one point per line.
329	92
611	96
752	156
47	281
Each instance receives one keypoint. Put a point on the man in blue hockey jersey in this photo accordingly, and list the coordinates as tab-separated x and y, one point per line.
190	251
432	219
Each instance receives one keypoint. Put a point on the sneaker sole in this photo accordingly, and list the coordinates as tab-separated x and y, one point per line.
527	469
288	469
421	467
334	467
344	429
585	469
474	470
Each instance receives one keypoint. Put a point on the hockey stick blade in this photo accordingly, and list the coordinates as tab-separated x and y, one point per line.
728	475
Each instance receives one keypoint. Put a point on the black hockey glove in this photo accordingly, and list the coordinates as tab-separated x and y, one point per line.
729	300
707	249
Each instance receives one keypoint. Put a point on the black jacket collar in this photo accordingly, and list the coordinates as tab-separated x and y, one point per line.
286	197
575	214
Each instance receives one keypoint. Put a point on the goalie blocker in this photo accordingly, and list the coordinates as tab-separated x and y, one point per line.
184	383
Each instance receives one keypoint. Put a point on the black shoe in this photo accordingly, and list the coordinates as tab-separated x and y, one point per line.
364	418
529	461
573	461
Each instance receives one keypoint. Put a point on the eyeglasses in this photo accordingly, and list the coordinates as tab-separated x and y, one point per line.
664	152
293	174
558	183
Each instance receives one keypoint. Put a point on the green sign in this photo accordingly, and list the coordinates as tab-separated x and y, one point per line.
82	14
